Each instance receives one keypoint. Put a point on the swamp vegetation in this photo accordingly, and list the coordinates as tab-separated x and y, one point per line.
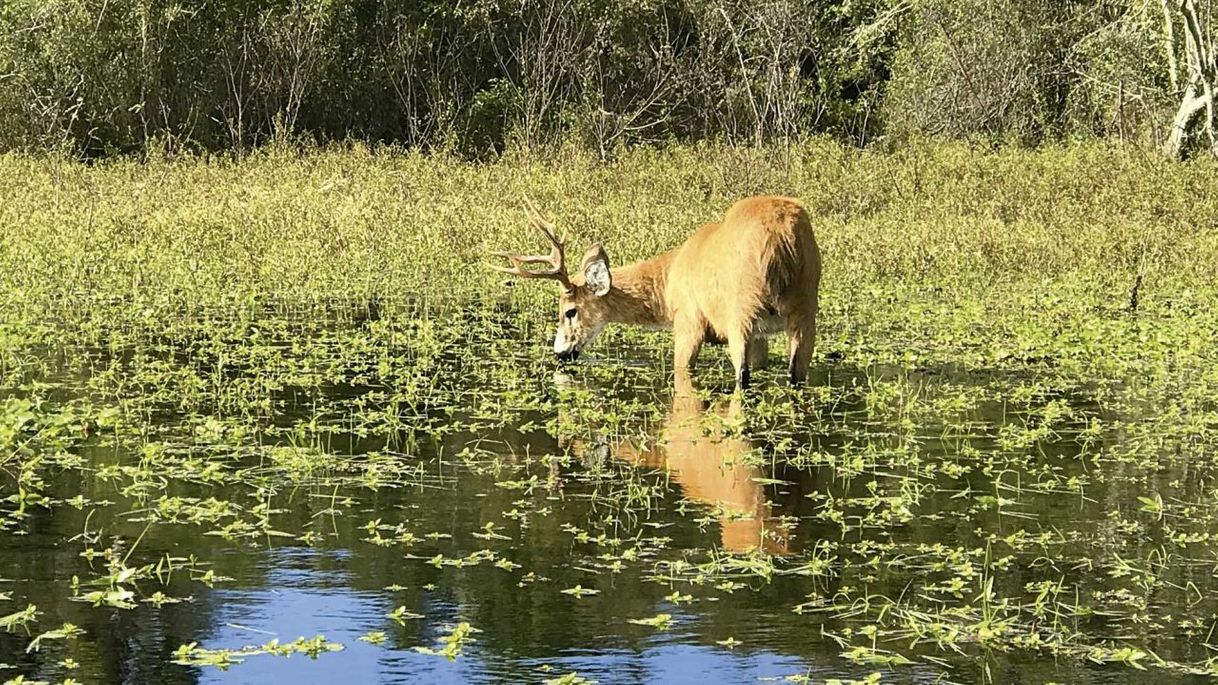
271	419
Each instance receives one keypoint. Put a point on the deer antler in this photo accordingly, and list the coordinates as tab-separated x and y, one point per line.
556	259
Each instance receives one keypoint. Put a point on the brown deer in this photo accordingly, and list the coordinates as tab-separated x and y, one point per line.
755	273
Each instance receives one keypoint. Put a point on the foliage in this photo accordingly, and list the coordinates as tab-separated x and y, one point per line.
473	75
94	77
200	238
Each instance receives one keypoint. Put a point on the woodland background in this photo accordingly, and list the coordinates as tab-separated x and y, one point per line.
477	77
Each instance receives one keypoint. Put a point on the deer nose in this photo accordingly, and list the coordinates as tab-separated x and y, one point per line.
568	355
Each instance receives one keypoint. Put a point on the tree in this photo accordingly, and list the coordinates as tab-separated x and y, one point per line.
1191	68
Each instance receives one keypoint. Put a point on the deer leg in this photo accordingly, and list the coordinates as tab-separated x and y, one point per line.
737	349
759	352
801	342
687	334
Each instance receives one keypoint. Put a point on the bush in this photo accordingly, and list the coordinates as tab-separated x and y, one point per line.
100	76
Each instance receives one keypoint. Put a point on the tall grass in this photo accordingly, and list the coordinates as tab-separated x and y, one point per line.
284	225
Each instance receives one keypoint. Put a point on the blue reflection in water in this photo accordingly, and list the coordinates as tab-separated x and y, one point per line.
299	599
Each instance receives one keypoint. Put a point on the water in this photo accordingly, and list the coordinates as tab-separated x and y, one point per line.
288	486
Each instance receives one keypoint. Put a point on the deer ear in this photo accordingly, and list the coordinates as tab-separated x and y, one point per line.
596	271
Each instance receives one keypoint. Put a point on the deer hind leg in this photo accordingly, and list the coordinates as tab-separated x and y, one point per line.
801	342
759	351
687	334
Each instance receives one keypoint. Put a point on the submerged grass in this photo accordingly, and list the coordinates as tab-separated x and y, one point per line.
1004	467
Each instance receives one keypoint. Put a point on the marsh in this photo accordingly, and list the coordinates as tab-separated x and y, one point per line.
308	439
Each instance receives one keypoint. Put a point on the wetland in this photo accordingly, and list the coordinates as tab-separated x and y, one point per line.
272	419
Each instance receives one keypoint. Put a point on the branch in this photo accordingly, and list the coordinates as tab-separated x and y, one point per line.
1169	44
1200	46
744	74
1189	106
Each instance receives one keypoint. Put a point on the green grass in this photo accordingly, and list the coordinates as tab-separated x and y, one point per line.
985	253
354	223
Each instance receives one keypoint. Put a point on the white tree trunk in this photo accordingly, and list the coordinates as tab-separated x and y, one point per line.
1191	104
1198	95
1169	45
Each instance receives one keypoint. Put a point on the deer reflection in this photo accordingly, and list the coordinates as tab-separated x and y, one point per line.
703	451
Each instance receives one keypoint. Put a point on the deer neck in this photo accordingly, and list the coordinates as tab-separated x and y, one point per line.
637	295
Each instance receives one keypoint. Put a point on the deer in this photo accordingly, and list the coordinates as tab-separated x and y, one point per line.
736	281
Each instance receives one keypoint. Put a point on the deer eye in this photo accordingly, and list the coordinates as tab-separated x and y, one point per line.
570	313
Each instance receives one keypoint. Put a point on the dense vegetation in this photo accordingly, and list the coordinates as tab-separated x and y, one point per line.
355	224
98	76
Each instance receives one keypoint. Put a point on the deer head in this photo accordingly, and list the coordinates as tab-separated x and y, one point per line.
582	311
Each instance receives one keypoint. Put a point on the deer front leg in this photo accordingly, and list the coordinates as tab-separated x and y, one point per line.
737	350
801	336
739	344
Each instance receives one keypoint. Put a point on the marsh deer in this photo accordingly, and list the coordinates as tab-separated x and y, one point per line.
752	274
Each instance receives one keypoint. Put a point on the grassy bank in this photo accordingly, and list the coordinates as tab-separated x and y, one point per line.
355	223
129	245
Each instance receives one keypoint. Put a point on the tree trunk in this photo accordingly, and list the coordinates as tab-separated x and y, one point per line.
1198	95
1169	45
1191	104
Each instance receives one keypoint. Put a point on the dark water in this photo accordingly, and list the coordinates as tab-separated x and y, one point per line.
646	495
